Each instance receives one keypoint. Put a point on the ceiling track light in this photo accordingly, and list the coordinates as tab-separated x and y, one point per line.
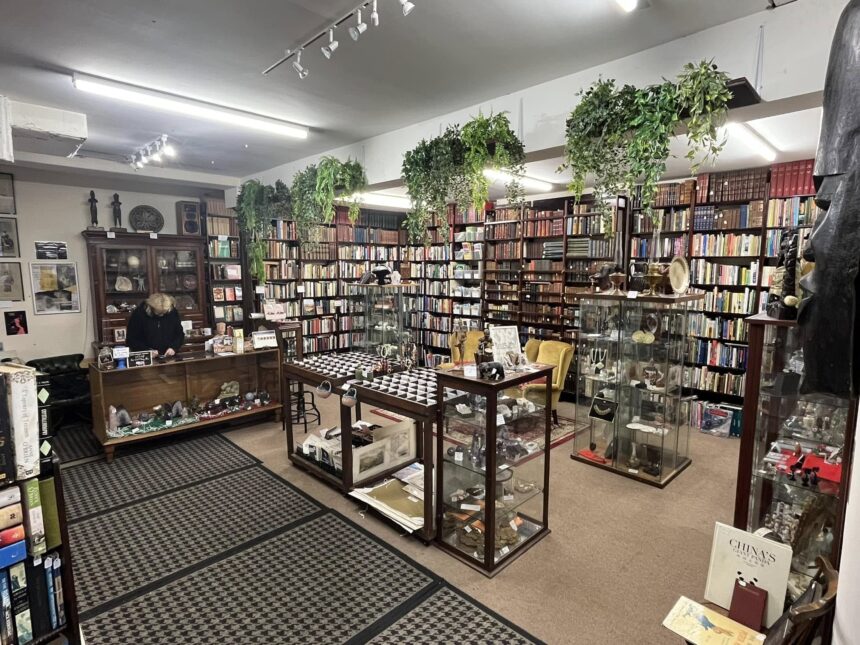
331	48
407	7
155	151
297	65
374	15
360	27
628	5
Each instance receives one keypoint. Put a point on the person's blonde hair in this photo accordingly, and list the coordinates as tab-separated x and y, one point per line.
160	303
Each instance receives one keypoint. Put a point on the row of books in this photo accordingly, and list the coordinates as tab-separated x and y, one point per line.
319	326
715	353
504	251
470	234
470	251
315	344
281	269
318	251
503	231
349	233
435	271
671	219
585	225
281	290
435	288
466	309
722	217
772	241
721	420
228	313
433	305
578	270
545	228
464	291
319	289
533	213
353	252
547	250
581	208
384	254
227	294
311	307
543	266
501	313
319	271
349	323
427	321
702	378
226	271
669	246
385	236
733	329
726	244
278	250
350	270
222	225
589	248
792	178
736	302
423	253
703	271
468	324
794	211
433	339
670	194
469	216
219	248
737	185
215	206
323	234
284	230
532	310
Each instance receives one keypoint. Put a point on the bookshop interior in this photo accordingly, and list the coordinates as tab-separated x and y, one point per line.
400	321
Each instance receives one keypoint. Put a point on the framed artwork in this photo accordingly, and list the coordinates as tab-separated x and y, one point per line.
7	194
16	323
52	251
11	282
9	238
55	287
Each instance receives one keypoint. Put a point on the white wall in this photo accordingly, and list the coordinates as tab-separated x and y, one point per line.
48	211
846	630
790	68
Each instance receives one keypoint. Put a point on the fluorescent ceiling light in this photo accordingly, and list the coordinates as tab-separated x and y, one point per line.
752	140
525	182
628	5
378	199
187	107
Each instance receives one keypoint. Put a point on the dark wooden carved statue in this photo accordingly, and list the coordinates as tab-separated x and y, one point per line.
117	211
782	302
94	210
828	308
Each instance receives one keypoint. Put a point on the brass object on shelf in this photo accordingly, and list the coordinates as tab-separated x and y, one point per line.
654	277
617	280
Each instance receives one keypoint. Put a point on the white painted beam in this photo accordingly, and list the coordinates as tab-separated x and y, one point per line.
47	130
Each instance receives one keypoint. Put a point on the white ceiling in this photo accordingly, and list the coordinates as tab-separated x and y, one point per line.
446	55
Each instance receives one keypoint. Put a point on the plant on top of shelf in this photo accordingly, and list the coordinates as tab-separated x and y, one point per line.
306	207
621	135
256	206
336	177
490	143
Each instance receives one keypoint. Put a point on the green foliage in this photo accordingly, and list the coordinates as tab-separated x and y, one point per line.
489	142
256	206
621	136
353	180
334	177
306	208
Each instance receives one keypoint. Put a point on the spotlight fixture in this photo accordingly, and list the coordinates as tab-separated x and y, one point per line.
297	65
628	5
407	7
526	182
138	160
187	107
329	49
360	27
374	15
752	139
166	148
155	151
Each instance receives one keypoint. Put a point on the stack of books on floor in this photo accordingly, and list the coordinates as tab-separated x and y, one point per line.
32	604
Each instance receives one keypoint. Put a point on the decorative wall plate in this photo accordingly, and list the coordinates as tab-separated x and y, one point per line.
679	275
146	219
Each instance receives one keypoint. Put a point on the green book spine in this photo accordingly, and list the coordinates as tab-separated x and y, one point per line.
50	514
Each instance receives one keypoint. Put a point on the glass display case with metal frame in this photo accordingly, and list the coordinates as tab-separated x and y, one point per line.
492	466
630	366
384	310
795	452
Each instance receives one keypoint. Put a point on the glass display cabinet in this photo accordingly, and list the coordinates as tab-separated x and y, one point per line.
630	366
492	470
383	308
795	452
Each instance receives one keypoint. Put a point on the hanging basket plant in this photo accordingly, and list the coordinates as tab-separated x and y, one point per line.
306	209
621	135
336	178
256	206
490	143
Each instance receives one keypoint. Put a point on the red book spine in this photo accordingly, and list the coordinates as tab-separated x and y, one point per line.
810	183
12	535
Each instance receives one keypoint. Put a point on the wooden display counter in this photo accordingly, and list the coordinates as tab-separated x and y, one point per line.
140	389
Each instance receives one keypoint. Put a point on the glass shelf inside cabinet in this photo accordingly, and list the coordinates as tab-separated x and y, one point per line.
517	480
797	477
177	276
126	280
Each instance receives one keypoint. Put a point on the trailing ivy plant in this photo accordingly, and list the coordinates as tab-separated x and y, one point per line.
353	181
489	142
334	177
256	206
306	210
621	136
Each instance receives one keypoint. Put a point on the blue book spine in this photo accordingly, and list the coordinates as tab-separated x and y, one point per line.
52	599
7	630
13	553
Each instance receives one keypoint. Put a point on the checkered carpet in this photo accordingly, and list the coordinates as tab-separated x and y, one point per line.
242	556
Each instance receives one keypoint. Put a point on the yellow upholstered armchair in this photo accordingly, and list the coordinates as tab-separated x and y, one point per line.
470	348
532	348
557	354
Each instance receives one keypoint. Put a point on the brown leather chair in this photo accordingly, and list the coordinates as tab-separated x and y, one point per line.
809	619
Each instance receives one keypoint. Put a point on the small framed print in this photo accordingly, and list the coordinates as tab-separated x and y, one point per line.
55	287
7	194
11	282
119	335
9	238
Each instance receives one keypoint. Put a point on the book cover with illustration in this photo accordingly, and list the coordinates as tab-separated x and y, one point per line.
702	626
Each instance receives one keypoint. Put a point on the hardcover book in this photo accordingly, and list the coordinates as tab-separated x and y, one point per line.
50	514
21	417
37	593
12	535
13	553
11	515
10	495
738	555
7	620
58	590
21	603
33	520
702	626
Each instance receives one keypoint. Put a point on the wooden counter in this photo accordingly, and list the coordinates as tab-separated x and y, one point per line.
139	389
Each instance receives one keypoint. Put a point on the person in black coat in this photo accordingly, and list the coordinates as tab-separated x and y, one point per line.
155	325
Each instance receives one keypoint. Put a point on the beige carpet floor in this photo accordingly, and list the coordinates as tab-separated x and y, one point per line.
619	555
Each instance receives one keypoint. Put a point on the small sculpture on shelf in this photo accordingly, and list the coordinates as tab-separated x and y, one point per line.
117	215
94	213
783	299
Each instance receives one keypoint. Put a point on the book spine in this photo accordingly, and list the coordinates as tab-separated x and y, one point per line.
21	603
12	535
33	520
51	596
23	413
58	590
7	621
11	515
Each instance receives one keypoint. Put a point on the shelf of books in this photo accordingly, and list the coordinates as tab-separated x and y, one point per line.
466	279
39	603
673	203
224	261
543	268
503	232
282	267
319	290
353	261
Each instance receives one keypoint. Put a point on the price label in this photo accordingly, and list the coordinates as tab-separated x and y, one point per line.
514	524
505	550
467	528
633	471
632	295
458	456
470	507
111	235
508	498
222	238
153	236
300	288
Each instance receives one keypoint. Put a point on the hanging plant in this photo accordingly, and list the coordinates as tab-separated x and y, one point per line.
489	142
353	181
305	206
250	211
333	178
621	136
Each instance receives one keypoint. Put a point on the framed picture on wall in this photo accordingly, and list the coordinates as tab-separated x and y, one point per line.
55	287
11	282
7	194
9	238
